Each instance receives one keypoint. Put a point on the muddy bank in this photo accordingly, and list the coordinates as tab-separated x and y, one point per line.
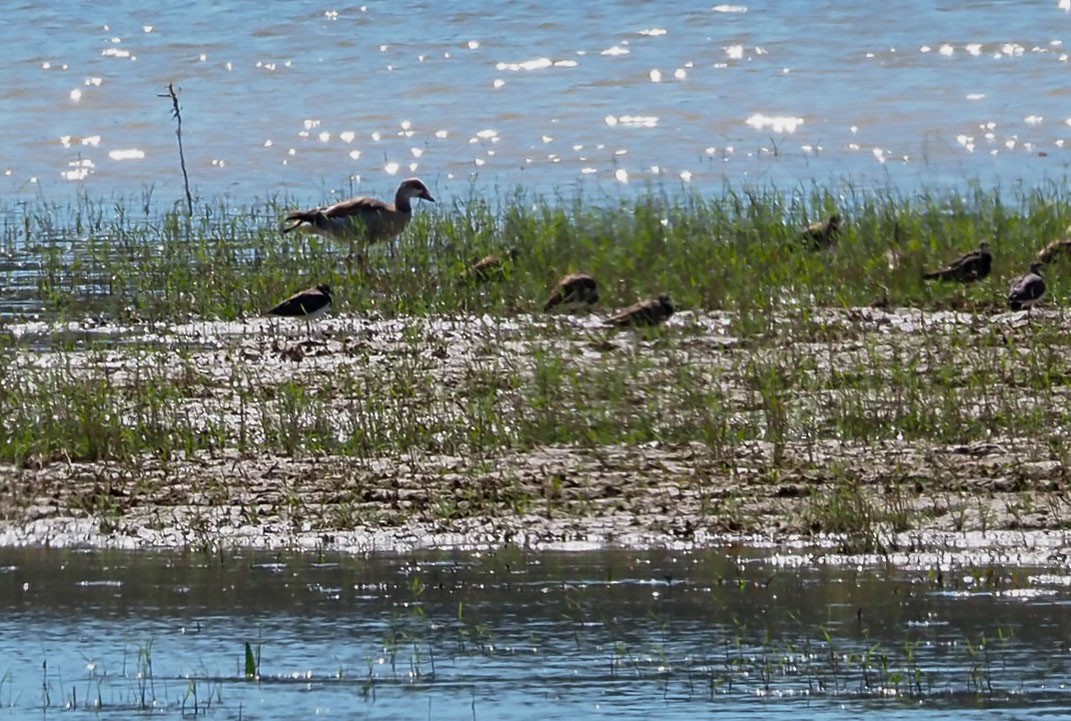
779	461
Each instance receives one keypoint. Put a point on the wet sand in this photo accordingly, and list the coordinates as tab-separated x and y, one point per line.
1008	491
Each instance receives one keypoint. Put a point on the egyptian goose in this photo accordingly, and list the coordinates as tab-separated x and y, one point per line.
363	218
968	268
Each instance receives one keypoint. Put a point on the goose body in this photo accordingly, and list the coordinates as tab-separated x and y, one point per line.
363	218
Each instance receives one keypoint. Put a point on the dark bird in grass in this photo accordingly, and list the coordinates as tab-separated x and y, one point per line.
573	289
1054	250
645	313
822	234
1027	290
967	268
491	267
308	304
362	218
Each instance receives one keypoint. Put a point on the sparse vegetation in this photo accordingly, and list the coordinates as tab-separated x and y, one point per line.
777	363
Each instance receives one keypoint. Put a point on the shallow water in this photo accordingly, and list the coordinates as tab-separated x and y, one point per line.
611	634
311	100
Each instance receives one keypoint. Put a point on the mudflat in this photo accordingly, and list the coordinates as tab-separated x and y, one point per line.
858	425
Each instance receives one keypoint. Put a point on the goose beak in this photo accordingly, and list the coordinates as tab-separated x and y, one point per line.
427	196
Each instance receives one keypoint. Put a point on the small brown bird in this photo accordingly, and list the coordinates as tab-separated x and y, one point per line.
644	313
491	267
362	218
308	304
1054	250
822	234
968	268
1027	290
574	288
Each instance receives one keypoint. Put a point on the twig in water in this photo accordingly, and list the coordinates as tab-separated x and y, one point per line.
176	113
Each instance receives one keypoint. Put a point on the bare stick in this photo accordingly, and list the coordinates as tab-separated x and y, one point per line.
176	113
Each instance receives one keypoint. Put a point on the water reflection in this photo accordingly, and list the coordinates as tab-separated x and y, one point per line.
721	632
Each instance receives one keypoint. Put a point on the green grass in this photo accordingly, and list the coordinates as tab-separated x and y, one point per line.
734	251
792	369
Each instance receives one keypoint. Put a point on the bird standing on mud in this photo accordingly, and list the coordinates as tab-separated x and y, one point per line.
362	218
968	268
822	234
574	288
645	313
1028	290
308	304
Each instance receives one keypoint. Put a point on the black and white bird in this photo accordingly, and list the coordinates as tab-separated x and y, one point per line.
1027	290
308	305
968	268
645	313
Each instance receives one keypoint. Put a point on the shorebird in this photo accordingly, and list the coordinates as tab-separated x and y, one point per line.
308	304
574	288
491	267
362	218
968	268
1054	250
822	234
645	313
1027	290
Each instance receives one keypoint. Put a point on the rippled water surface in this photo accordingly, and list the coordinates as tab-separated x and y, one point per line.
612	634
309	98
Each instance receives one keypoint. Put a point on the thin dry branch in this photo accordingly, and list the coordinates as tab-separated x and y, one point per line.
176	113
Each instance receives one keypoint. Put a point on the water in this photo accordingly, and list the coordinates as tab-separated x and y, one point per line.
613	634
311	99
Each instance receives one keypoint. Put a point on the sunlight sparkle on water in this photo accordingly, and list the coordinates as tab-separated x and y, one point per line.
729	8
776	123
126	154
534	64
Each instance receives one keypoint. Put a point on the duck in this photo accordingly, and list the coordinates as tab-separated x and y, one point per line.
1027	290
822	234
645	313
968	268
573	288
308	304
363	218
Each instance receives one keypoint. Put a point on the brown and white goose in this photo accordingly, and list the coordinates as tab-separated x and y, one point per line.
363	218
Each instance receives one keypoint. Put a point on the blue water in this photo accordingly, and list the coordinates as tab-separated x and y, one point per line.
313	99
615	634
